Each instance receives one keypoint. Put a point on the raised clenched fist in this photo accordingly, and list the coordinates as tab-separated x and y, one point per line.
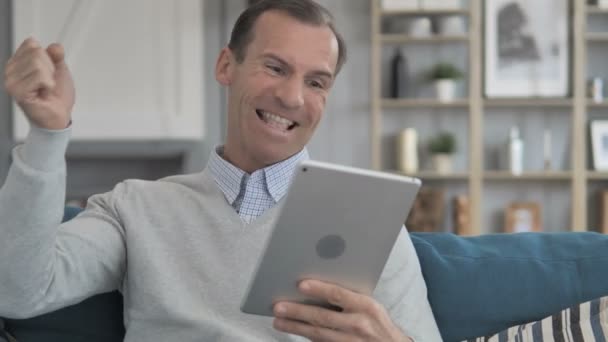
41	84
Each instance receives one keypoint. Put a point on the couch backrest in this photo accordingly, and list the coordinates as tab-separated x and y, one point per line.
477	286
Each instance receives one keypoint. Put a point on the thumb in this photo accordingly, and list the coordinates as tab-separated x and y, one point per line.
56	53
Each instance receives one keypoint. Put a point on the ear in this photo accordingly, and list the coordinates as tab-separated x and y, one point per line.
224	67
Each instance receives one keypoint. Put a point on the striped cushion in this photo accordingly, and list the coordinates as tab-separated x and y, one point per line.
580	323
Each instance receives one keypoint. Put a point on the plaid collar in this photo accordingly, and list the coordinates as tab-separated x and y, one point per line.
229	177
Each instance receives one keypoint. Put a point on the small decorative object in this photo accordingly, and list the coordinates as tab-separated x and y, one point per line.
596	89
523	217
399	75
441	4
442	147
420	27
547	164
427	212
396	5
445	75
407	151
604	211
599	144
527	48
451	25
462	219
515	152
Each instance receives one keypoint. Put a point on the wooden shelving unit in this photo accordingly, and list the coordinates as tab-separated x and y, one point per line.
387	13
514	102
476	107
429	175
529	176
402	38
427	103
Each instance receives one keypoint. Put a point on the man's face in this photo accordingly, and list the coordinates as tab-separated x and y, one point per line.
277	95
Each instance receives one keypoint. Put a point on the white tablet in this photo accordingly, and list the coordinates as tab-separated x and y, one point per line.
337	224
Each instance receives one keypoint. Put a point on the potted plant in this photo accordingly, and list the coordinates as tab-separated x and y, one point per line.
442	147
444	76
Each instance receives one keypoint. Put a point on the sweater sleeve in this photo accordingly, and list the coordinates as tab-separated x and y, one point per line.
403	292
46	265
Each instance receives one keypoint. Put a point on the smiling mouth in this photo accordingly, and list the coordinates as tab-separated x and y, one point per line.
276	121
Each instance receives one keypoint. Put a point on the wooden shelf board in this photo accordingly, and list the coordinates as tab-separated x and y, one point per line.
597	175
528	102
419	102
430	175
436	39
528	176
596	10
592	104
597	36
460	11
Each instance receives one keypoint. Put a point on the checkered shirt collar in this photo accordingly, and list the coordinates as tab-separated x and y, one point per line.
229	177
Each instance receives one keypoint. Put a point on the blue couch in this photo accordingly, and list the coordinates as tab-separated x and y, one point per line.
477	286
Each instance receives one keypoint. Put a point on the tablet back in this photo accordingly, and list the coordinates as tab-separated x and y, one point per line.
337	224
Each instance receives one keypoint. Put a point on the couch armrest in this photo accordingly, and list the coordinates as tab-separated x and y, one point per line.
96	319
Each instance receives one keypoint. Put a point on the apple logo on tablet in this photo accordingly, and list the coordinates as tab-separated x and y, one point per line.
330	246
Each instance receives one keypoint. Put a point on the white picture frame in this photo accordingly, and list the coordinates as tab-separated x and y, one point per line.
599	144
526	48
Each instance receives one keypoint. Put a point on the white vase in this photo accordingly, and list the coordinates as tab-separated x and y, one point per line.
407	151
442	163
420	27
445	90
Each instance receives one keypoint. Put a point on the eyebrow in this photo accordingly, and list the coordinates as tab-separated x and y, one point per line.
322	73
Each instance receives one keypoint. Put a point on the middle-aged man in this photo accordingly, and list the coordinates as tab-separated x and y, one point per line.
182	249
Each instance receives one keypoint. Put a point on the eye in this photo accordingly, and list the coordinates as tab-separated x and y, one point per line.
316	84
275	69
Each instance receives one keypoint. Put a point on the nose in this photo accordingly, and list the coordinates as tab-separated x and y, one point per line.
289	93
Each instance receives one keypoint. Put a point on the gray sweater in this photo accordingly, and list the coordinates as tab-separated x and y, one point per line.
175	248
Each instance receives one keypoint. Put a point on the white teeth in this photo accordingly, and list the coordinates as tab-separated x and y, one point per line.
269	117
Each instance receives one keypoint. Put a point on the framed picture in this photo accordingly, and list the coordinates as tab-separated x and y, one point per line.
599	144
526	48
523	217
